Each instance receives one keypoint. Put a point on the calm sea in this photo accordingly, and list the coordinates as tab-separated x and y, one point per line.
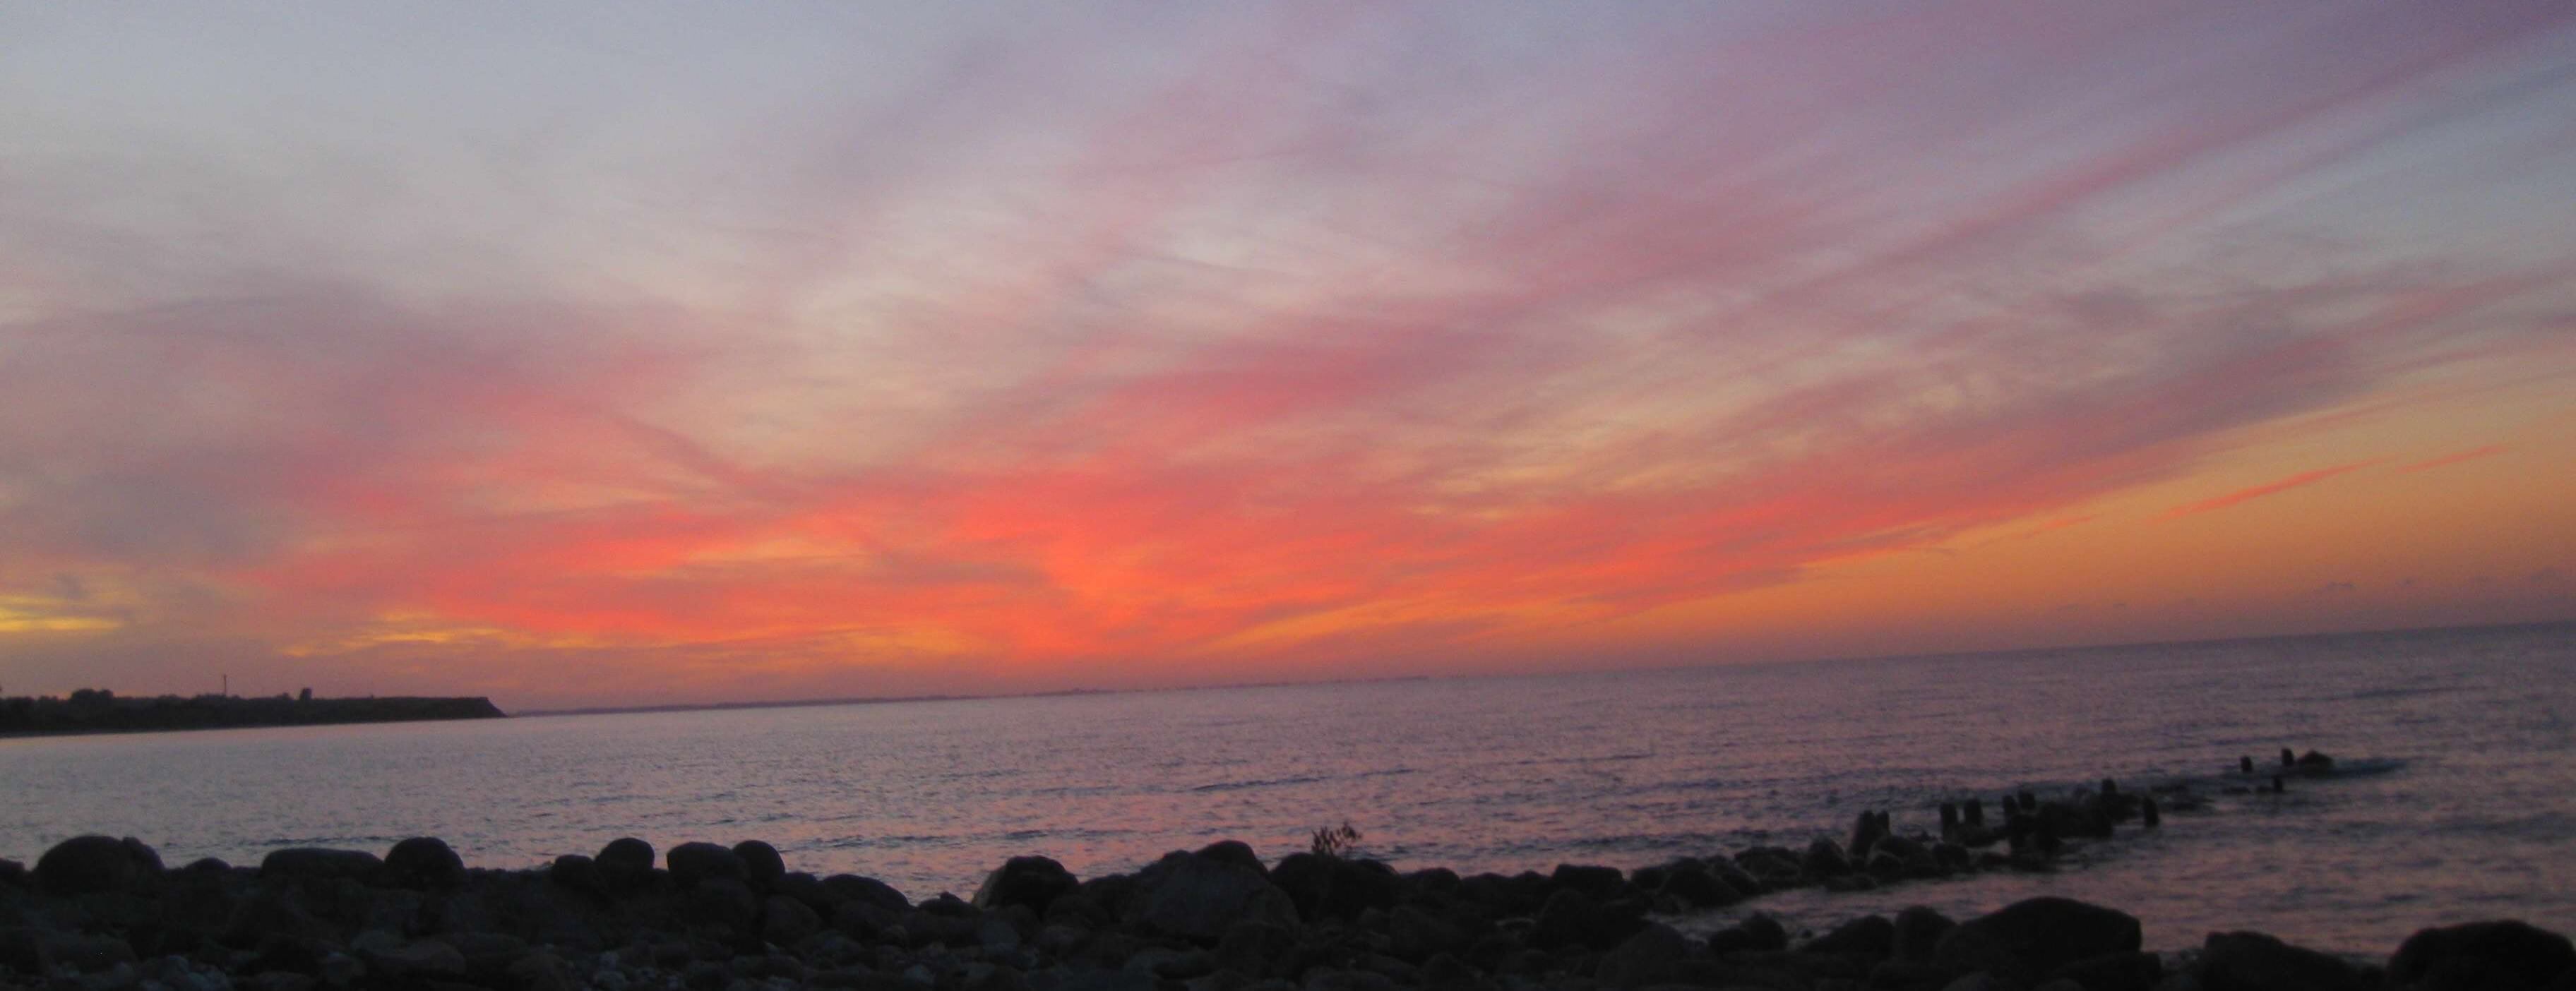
2461	802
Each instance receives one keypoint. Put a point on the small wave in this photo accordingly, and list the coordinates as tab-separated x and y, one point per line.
1259	783
337	842
1031	835
873	842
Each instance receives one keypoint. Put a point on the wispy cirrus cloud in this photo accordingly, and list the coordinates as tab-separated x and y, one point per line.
2448	460
2248	494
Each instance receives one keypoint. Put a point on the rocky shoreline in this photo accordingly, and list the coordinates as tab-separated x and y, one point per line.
97	913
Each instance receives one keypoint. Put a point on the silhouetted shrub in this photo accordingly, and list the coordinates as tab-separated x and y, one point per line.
1331	842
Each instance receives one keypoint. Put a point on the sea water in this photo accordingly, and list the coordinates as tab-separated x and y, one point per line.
2457	798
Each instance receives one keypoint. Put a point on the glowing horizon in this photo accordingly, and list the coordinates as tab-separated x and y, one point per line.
755	353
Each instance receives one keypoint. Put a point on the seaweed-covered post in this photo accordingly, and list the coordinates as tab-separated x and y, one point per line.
2245	765
1975	811
2148	816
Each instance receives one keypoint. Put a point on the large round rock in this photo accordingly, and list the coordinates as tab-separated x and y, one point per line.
624	860
91	864
2482	955
2252	961
1198	897
422	863
694	862
2028	939
761	864
1032	881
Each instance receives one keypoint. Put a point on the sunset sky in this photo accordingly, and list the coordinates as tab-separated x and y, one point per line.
640	353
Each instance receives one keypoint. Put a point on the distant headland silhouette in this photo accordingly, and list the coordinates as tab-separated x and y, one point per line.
98	710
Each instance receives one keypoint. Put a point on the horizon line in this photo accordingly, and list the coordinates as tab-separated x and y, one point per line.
612	710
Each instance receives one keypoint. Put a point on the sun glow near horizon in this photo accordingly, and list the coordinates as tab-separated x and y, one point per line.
731	353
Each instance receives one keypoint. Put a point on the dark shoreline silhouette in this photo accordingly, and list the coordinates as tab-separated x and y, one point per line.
102	912
97	711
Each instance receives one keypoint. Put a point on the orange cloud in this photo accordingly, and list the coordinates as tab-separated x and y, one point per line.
2451	459
2268	488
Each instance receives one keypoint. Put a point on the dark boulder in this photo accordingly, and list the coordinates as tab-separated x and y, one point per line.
625	865
1643	959
1869	936
1235	852
1336	887
1774	867
86	865
805	888
725	900
1429	882
578	873
1897	857
691	863
1735	876
2030	938
761	865
1415	935
1758	933
867	891
1200	897
784	921
1032	881
2119	972
2251	961
389	958
1254	949
1569	918
1360	885
1918	930
422	863
36	950
626	854
1825	858
1698	888
1308	880
317	863
1871	828
1598	883
2482	955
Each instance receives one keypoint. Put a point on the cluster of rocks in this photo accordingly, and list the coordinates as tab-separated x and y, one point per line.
2028	834
98	913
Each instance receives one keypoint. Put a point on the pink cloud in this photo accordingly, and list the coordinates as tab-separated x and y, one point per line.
2448	460
2240	496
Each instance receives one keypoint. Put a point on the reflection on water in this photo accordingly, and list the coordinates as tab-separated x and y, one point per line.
1506	774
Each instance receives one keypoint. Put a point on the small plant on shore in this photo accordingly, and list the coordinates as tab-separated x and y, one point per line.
1335	843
